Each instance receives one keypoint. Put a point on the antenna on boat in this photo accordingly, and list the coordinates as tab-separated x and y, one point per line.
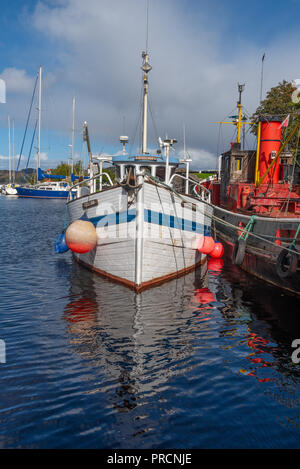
147	26
238	121
186	161
262	77
146	67
86	139
124	140
168	143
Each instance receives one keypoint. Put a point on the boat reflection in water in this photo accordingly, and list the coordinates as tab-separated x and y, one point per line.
199	349
139	339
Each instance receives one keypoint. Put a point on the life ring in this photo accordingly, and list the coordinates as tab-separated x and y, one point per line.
287	263
239	251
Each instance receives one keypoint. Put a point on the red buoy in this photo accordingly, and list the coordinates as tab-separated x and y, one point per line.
215	264
204	296
218	250
208	245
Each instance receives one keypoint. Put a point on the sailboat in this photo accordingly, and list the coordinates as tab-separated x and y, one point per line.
147	231
46	190
10	188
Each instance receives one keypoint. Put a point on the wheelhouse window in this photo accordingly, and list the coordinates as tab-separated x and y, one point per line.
160	172
238	164
146	168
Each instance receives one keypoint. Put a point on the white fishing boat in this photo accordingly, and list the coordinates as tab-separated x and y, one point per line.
147	232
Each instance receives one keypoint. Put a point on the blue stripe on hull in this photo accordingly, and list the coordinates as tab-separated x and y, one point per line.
41	194
156	218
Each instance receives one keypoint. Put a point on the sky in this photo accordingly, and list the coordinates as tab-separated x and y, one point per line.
91	50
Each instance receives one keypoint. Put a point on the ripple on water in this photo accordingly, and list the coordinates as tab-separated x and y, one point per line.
195	363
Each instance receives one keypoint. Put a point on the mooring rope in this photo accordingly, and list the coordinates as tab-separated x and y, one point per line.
226	223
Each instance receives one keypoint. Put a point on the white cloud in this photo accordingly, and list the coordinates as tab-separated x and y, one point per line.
201	159
43	156
6	158
17	81
193	82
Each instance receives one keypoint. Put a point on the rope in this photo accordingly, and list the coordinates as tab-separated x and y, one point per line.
252	234
293	174
248	229
226	223
292	245
30	150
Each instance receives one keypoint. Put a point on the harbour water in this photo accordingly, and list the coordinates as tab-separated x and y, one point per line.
194	363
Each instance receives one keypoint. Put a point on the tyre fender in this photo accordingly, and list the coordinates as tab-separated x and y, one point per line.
287	263
239	251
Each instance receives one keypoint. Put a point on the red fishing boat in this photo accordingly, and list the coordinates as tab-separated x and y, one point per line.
257	203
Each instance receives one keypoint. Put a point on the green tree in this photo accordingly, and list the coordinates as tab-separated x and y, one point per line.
278	102
78	168
63	169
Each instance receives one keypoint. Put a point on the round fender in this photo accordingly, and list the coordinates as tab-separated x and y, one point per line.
287	263
239	251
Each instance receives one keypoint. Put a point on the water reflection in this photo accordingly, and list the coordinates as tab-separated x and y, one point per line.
138	339
138	343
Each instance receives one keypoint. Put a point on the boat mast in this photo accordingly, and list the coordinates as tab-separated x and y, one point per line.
146	67
39	123
239	105
238	121
73	133
13	158
9	152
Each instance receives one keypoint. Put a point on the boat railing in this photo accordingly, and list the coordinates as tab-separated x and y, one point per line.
203	194
90	184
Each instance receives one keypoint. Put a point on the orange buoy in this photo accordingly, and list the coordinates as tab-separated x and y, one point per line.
218	250
208	245
277	239
81	236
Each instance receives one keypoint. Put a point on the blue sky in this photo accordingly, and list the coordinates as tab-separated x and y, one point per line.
199	50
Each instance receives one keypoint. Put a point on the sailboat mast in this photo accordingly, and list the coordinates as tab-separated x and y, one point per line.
9	151
146	67
73	133
13	158
9	155
39	121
